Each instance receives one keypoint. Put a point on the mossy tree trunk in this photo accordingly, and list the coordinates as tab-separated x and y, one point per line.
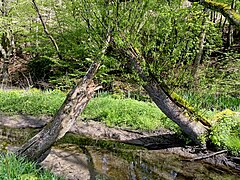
192	124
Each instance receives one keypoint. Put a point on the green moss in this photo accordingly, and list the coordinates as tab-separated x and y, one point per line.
220	115
225	9
190	110
217	5
236	15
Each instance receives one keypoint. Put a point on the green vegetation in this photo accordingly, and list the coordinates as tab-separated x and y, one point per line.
226	133
212	101
33	101
111	109
166	38
127	113
12	167
115	110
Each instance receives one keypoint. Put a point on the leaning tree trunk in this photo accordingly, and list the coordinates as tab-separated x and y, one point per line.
39	146
192	125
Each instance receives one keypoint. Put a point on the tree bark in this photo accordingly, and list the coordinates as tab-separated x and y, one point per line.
7	46
190	125
38	147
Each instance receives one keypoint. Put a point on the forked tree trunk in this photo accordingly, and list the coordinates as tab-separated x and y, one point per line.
194	129
39	146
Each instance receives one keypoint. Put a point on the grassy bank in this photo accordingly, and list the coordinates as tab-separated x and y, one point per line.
12	167
130	113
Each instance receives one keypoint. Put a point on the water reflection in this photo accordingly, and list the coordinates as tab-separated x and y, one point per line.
151	165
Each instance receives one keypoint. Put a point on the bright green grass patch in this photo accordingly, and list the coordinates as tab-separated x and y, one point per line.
12	167
111	110
32	102
212	102
127	113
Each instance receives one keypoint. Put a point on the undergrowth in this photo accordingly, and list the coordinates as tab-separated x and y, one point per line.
225	133
127	113
32	102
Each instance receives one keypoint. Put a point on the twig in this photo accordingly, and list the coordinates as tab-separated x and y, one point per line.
208	156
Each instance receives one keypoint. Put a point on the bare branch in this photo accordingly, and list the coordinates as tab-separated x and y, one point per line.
46	30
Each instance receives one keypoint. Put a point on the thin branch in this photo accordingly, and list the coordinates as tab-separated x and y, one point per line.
46	30
208	155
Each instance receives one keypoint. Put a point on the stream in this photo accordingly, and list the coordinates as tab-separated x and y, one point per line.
94	163
86	158
76	156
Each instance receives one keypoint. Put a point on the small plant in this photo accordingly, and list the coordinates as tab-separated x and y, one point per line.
13	167
226	133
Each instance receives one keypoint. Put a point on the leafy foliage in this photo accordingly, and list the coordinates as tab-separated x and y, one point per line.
226	133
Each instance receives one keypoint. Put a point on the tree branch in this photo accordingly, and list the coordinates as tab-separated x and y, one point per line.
223	8
208	155
46	30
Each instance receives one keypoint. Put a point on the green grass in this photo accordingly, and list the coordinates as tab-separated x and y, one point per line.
12	167
127	113
111	110
212	101
32	102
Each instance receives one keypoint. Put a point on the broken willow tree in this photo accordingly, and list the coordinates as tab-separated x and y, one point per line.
38	147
